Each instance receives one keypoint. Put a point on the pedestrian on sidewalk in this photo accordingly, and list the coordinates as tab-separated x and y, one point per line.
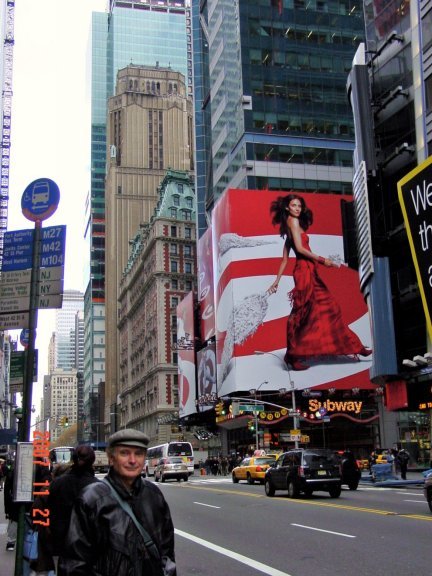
63	493
11	509
403	458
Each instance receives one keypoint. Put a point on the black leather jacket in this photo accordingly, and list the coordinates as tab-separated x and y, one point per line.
103	541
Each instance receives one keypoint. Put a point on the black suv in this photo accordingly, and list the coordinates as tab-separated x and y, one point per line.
305	470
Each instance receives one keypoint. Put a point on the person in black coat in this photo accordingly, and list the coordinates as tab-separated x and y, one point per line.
402	459
11	509
103	540
63	493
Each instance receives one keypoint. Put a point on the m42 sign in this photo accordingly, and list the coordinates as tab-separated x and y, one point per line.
53	243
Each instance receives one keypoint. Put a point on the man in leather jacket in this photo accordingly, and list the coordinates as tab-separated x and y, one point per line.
102	539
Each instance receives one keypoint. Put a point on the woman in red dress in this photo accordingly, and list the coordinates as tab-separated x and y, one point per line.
315	326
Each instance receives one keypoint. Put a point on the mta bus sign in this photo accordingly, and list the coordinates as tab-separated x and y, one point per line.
40	199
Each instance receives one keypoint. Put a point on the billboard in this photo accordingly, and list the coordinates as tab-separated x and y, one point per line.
251	322
186	356
414	191
206	286
207	391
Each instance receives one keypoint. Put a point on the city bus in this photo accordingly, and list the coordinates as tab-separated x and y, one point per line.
61	455
182	449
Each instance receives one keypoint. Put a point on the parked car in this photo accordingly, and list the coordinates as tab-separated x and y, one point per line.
349	468
171	468
252	469
427	489
305	471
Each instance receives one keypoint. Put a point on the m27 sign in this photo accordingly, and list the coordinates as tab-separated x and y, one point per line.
415	197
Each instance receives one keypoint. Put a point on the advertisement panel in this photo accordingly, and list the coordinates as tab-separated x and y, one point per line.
414	192
206	362
186	356
251	320
206	286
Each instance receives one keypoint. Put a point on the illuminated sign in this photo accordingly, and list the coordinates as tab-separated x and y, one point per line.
336	406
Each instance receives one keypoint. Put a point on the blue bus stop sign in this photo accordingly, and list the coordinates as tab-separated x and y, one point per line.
40	199
24	337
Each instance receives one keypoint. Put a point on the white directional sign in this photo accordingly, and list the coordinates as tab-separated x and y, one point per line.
10	291
51	301
14	320
14	304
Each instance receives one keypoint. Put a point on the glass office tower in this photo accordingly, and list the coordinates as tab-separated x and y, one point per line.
276	99
142	33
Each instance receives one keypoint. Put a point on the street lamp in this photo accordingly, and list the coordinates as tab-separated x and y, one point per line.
254	391
293	399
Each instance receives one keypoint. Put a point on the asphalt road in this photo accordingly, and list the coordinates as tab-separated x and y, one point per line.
225	528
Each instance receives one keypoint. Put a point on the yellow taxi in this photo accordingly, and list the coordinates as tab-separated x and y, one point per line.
252	469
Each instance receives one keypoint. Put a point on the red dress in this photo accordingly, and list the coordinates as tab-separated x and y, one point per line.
315	326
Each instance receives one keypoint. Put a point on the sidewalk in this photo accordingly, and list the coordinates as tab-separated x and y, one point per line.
7	558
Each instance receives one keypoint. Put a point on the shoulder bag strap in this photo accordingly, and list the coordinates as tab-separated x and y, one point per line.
150	545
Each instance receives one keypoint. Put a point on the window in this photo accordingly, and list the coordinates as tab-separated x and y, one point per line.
174	266
176	200
187	250
189	202
188	232
173	212
174	231
188	267
174	284
188	285
173	248
174	301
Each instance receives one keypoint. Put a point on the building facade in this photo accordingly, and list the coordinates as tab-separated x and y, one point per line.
61	389
160	272
271	109
144	33
149	130
390	89
66	339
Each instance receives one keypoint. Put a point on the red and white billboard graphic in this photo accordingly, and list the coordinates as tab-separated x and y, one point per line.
251	323
206	286
186	356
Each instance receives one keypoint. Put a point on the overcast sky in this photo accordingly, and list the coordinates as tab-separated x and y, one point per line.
50	128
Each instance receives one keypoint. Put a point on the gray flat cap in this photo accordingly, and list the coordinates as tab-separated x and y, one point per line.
128	437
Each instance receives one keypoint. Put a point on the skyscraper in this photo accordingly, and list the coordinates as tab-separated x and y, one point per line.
66	356
271	109
141	33
149	131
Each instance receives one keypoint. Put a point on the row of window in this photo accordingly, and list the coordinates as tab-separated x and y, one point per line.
174	232
175	267
187	250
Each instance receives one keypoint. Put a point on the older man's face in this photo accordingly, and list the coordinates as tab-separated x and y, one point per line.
128	461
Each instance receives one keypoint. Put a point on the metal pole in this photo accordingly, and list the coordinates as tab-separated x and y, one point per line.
294	407
256	429
24	428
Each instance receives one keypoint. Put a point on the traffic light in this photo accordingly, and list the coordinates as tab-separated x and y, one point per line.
251	426
66	423
220	409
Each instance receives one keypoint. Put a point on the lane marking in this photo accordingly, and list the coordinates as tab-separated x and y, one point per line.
417	501
208	505
234	555
326	531
289	501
